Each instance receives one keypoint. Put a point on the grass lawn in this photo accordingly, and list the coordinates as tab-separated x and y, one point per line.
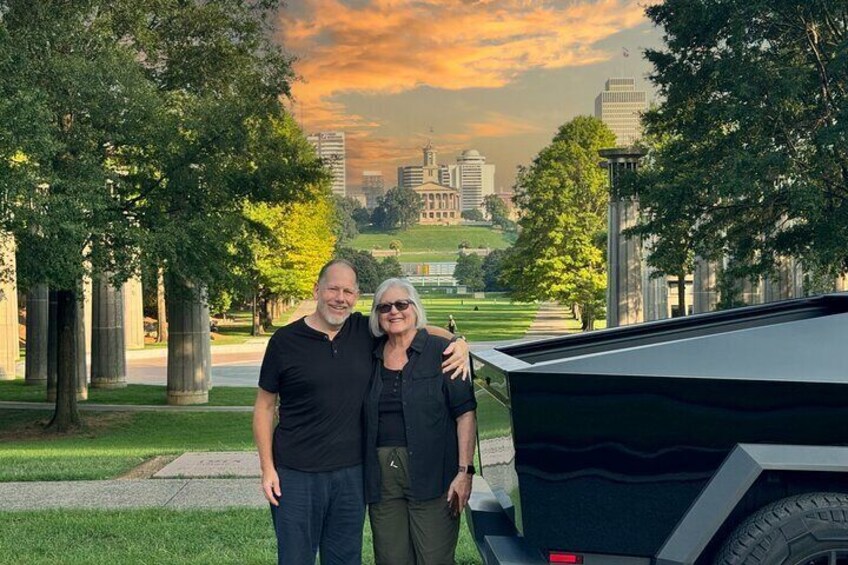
133	394
156	536
494	319
235	329
112	443
434	238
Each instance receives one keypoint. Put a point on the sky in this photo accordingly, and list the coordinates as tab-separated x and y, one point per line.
498	76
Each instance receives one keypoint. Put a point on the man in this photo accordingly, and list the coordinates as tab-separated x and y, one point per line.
320	367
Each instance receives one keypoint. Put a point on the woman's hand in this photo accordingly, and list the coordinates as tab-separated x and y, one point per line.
459	492
458	361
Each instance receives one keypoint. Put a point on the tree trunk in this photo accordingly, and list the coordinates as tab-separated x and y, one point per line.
68	319
108	348
587	318
38	318
256	322
681	294
189	352
265	317
161	310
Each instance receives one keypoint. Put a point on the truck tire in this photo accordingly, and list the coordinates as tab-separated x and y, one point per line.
808	529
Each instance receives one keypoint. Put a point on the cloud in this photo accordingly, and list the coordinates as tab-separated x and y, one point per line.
393	46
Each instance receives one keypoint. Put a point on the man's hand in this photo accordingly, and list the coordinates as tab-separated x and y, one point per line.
459	492
271	486
458	361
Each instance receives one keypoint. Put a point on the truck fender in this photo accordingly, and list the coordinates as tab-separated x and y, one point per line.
730	483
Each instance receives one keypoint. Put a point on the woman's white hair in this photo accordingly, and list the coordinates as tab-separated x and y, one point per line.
412	296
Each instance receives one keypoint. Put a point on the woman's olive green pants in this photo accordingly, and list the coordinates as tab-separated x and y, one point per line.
407	531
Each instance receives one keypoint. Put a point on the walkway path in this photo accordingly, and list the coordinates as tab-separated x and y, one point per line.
194	480
551	320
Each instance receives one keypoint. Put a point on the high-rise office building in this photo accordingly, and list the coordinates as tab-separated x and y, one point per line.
373	187
330	147
620	106
473	177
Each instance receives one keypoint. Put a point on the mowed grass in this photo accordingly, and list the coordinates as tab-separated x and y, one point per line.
494	318
153	395
112	443
434	238
107	537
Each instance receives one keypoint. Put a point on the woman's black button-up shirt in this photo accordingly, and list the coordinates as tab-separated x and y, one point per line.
432	402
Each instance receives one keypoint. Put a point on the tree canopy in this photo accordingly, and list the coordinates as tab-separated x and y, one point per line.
563	196
398	208
755	111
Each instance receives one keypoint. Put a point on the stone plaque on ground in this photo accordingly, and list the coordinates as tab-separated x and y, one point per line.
212	464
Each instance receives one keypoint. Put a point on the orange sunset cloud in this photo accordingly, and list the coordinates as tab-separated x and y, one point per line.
393	46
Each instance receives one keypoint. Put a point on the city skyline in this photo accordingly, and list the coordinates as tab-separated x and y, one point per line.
497	76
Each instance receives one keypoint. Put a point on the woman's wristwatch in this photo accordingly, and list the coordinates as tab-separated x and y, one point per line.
467	469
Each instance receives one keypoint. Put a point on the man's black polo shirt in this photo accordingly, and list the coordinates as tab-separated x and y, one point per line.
322	384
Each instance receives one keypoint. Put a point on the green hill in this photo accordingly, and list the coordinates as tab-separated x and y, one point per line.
433	243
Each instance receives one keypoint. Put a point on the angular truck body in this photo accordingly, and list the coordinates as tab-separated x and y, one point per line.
659	443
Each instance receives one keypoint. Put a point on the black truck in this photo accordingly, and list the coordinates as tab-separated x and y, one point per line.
716	438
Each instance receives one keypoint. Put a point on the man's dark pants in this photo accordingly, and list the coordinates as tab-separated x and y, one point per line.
320	512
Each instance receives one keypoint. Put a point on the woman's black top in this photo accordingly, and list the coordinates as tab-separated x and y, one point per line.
391	431
431	402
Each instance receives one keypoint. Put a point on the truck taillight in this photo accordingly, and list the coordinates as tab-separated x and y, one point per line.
564	557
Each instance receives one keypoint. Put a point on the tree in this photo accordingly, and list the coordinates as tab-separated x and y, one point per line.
469	271
293	241
368	272
398	208
474	215
390	268
224	141
346	226
563	196
497	211
361	217
755	98
492	269
396	245
72	101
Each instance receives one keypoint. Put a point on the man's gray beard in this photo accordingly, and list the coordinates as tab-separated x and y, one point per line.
333	319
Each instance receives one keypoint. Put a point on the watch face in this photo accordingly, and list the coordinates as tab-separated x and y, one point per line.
471	470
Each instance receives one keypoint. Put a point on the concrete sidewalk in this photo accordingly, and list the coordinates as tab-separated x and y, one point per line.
194	480
217	479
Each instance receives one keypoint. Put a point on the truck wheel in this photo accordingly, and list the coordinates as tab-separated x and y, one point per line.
809	529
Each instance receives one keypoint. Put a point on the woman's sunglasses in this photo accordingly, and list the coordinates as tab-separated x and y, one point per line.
400	305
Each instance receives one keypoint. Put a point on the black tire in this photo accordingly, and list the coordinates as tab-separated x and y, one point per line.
794	531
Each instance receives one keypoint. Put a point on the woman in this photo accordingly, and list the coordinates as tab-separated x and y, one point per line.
420	432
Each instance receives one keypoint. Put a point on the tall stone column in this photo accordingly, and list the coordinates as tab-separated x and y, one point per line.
189	351
9	334
625	299
108	352
133	314
82	365
704	286
87	312
785	283
38	318
654	291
